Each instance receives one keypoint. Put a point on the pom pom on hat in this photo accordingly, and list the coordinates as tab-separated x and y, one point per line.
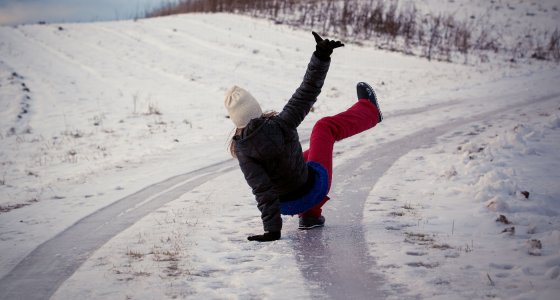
242	107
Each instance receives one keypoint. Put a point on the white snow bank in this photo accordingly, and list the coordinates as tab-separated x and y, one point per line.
553	122
493	231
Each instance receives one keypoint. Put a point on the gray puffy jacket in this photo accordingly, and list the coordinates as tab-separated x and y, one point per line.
269	151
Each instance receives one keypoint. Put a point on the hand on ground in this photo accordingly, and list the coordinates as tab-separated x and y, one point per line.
266	237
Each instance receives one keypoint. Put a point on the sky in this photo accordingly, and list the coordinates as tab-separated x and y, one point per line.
13	12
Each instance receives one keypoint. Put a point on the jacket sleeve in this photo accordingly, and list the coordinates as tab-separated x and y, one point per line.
267	198
305	96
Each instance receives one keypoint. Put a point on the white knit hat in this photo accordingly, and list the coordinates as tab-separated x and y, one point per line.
242	107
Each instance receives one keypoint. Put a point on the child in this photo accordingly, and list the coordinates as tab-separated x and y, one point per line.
284	179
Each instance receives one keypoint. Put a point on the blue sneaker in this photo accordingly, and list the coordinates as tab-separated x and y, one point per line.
306	223
366	92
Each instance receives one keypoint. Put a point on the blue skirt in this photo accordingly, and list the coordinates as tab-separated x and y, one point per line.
314	197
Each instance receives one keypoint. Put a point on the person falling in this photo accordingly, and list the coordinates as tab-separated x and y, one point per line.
285	180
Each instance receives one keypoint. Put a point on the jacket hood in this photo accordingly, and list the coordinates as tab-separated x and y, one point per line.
262	139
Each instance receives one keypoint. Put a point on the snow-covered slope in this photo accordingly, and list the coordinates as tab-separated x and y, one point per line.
94	112
477	214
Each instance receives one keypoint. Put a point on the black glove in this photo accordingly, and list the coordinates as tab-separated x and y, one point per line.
324	48
266	237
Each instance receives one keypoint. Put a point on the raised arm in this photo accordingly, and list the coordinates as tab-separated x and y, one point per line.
305	96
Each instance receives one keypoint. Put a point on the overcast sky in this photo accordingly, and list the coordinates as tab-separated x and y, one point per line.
14	12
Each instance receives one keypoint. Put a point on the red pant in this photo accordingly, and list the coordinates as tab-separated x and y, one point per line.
360	117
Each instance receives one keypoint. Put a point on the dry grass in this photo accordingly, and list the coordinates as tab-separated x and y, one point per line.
420	238
502	219
153	109
8	208
399	214
534	247
442	246
134	254
164	256
393	26
422	264
509	230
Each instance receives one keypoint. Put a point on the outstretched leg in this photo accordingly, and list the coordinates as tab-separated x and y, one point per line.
362	116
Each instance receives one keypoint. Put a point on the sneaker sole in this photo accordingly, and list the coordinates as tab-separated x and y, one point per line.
375	96
310	227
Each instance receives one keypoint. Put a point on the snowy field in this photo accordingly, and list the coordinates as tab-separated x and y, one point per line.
93	112
475	215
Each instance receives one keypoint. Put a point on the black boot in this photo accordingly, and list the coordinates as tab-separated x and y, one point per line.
366	92
266	237
310	222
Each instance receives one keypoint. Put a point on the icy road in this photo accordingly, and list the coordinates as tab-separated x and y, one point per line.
94	114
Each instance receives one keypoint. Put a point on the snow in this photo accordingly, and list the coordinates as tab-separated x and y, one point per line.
114	107
196	245
472	232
